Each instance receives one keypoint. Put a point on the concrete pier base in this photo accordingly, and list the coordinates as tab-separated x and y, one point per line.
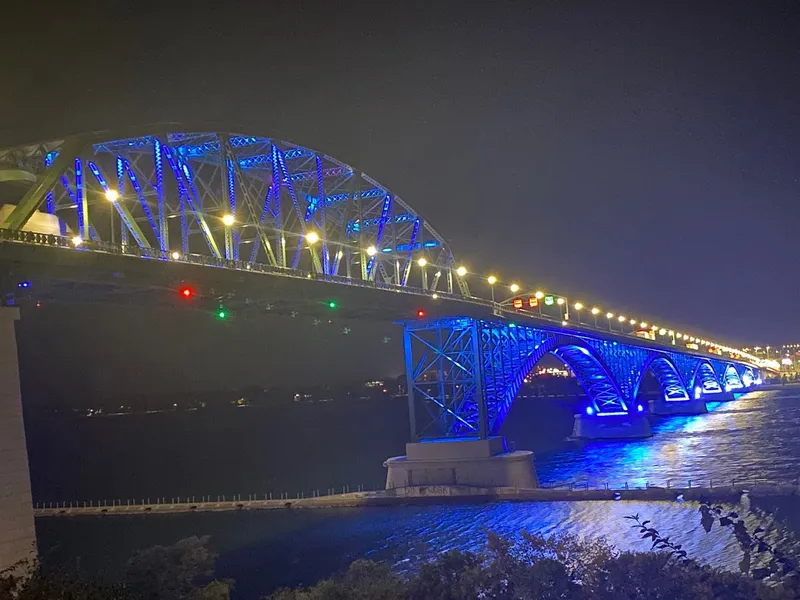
17	534
659	406
472	462
612	427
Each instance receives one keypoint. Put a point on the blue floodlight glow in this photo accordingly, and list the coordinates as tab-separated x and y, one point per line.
639	408
24	284
589	411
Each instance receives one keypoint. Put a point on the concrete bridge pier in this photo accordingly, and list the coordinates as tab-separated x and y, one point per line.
17	534
629	426
693	406
461	461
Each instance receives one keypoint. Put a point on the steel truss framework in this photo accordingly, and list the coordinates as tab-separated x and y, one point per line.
175	187
465	373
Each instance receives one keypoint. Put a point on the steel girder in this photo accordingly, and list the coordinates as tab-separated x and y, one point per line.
176	186
466	372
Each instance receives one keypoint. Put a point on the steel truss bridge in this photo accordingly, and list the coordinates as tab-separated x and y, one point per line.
257	223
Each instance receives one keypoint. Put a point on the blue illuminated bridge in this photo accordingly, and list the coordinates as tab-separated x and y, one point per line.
239	224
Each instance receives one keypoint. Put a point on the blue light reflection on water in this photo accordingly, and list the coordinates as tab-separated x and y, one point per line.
752	438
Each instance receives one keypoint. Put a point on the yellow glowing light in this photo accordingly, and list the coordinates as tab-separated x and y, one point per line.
435	296
176	255
372	251
578	306
227	220
491	279
514	288
339	254
77	240
632	321
563	322
461	271
539	295
609	315
621	319
671	333
422	262
662	331
595	311
312	237
112	195
560	301
643	325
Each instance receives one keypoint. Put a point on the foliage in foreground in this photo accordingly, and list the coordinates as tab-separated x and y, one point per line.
537	568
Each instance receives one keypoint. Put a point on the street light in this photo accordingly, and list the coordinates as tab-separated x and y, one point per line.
492	280
595	311
77	240
578	306
514	288
312	237
372	251
643	325
539	295
422	262
176	255
112	195
227	220
609	316
461	271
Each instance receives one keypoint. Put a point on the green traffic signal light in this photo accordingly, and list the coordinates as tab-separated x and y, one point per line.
332	304
222	313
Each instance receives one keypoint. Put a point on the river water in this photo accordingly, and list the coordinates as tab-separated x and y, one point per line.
308	447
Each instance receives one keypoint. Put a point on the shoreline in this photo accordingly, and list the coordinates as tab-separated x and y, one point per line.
424	495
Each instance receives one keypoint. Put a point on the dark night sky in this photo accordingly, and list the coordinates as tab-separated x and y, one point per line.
644	156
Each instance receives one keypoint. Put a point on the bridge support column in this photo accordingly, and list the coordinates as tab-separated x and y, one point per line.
461	462
694	406
17	534
612	427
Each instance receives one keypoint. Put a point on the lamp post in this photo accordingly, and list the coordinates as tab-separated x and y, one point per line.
491	280
228	221
595	312
422	262
578	307
609	316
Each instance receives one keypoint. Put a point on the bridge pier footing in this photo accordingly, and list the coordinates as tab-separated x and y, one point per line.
470	462
694	406
612	427
17	534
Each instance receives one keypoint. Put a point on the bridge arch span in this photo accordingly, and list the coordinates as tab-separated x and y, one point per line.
219	198
594	376
666	373
704	380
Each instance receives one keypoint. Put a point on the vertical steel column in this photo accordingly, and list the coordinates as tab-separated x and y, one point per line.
410	381
440	380
123	230
158	161
477	366
277	186
48	160
83	204
227	192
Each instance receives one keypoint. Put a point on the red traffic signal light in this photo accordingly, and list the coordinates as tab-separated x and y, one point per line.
186	292
420	313
517	303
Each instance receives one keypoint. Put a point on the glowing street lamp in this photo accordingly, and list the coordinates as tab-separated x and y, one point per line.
491	279
643	325
422	262
461	271
609	316
312	237
112	195
228	220
176	255
77	241
595	311
539	295
578	306
514	288
372	251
